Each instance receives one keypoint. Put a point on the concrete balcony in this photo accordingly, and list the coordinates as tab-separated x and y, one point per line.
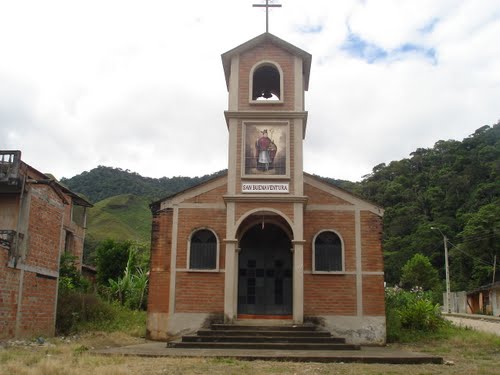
10	160
7	238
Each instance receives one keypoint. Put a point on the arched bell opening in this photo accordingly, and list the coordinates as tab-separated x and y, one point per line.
266	83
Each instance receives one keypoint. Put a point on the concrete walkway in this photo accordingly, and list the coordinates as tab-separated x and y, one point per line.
365	355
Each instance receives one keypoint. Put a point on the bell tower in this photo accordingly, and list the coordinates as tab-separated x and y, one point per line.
266	78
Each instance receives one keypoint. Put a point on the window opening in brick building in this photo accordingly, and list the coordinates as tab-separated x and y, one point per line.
69	242
203	250
78	214
328	252
266	83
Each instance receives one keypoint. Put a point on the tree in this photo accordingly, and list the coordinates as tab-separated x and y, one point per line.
111	259
480	244
418	271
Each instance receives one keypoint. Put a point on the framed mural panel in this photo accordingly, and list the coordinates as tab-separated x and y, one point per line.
266	149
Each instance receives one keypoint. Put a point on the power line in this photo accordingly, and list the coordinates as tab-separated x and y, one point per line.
471	256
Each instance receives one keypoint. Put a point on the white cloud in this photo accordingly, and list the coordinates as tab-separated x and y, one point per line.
139	84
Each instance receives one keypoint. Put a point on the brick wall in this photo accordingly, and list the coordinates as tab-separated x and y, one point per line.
211	196
38	305
159	277
317	196
199	292
371	242
373	295
9	286
45	224
329	294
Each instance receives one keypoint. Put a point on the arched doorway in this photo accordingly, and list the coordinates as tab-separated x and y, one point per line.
265	271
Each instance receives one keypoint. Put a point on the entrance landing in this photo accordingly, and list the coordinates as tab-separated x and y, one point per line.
282	342
364	355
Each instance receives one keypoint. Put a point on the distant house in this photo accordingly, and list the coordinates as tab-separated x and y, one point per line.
39	220
484	300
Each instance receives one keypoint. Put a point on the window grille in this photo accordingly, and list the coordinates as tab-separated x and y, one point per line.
203	250
328	252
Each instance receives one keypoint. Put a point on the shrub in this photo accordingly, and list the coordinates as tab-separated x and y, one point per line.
74	307
69	277
409	312
130	289
80	312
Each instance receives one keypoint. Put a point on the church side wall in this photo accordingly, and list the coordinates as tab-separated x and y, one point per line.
372	261
159	277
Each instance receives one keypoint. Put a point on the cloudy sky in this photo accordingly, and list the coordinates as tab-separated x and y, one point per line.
139	85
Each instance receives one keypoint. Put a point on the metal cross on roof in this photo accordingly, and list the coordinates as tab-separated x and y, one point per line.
267	6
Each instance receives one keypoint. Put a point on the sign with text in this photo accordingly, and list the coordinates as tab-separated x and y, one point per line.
264	187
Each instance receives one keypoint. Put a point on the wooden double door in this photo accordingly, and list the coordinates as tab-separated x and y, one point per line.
265	274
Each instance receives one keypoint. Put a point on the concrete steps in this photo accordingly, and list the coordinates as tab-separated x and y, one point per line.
279	337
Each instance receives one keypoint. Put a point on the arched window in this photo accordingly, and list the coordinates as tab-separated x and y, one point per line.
266	82
203	250
328	252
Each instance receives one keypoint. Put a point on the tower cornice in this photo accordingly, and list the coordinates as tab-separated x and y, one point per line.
266	115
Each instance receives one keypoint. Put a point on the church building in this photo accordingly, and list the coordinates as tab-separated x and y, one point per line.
267	241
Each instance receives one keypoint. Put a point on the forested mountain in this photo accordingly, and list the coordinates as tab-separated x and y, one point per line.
104	182
454	187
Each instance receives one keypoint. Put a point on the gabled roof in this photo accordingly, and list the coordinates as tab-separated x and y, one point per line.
268	37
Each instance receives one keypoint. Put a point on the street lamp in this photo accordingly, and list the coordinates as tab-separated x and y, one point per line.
447	268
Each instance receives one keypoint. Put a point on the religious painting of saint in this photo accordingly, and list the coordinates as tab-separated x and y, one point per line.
266	149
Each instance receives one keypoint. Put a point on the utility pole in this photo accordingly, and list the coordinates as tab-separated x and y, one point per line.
494	268
447	269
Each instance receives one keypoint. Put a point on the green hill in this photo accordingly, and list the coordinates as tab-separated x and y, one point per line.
122	217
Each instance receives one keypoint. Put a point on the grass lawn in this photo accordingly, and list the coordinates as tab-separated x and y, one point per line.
471	352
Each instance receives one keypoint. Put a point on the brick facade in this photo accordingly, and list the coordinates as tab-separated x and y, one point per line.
350	299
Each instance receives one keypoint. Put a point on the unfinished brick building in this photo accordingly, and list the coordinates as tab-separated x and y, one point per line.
39	219
267	241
